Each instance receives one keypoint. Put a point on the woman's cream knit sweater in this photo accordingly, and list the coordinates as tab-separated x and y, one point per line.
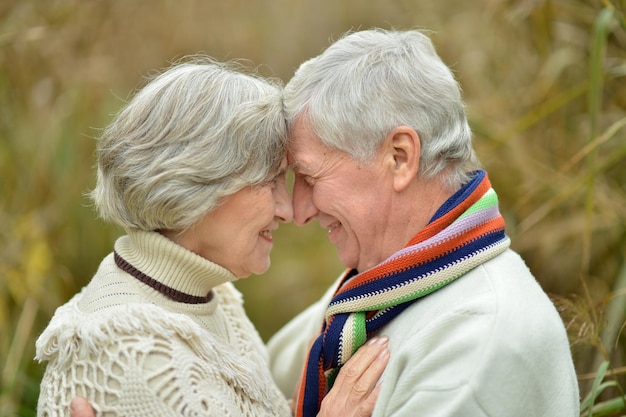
134	352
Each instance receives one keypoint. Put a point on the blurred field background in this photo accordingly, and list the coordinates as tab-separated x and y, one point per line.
544	83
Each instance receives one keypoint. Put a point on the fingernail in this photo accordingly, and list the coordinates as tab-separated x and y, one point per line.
378	340
372	340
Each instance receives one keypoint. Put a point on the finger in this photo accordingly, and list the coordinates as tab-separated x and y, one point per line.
374	371
355	393
358	377
366	407
80	407
366	382
365	362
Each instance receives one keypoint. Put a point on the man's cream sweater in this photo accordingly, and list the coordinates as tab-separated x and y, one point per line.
490	344
134	352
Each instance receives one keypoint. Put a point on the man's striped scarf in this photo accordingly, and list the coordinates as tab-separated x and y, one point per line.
465	232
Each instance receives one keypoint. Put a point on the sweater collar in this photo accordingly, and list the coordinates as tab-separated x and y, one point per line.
170	264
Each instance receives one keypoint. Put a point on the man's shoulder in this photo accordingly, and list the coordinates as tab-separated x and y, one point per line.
475	334
492	311
500	292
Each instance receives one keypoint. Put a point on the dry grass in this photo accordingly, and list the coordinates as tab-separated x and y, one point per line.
544	86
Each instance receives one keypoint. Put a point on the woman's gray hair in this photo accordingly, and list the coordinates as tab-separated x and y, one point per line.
198	132
370	82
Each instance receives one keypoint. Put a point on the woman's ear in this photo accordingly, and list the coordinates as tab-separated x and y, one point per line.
403	153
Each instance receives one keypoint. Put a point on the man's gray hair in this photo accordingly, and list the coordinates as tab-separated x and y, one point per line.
198	132
369	82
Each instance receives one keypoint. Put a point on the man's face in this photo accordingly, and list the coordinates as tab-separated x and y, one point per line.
350	199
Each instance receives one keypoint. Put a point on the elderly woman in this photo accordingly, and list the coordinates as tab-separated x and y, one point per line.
193	170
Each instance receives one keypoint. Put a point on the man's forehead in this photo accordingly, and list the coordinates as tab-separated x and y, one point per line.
298	152
305	149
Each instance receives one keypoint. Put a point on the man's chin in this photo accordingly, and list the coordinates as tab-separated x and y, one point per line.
347	261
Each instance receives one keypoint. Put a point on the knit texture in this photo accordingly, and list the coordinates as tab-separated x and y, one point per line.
466	231
133	351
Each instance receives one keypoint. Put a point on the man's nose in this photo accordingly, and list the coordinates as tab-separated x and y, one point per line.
304	209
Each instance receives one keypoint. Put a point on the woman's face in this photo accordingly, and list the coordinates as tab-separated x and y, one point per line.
238	233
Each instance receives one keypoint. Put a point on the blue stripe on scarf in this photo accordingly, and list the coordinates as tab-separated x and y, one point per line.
311	386
461	195
333	332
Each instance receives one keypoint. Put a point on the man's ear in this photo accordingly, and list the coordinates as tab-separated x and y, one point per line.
403	153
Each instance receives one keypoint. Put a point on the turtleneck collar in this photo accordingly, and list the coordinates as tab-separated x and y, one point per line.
171	265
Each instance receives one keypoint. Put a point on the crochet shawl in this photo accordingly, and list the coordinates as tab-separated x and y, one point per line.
466	231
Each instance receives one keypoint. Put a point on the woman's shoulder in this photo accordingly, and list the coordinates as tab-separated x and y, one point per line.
73	332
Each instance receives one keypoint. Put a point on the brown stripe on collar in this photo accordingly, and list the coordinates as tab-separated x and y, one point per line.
169	292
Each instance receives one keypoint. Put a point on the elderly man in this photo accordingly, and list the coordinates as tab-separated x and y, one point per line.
383	159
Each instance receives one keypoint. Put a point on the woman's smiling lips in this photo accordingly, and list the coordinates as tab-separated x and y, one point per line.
267	235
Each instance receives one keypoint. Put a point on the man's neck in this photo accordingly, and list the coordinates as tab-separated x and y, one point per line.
411	210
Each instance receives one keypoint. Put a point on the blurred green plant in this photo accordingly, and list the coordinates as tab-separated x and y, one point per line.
544	84
590	408
597	324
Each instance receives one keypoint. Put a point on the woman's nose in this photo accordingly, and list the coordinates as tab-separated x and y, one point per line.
304	209
284	207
